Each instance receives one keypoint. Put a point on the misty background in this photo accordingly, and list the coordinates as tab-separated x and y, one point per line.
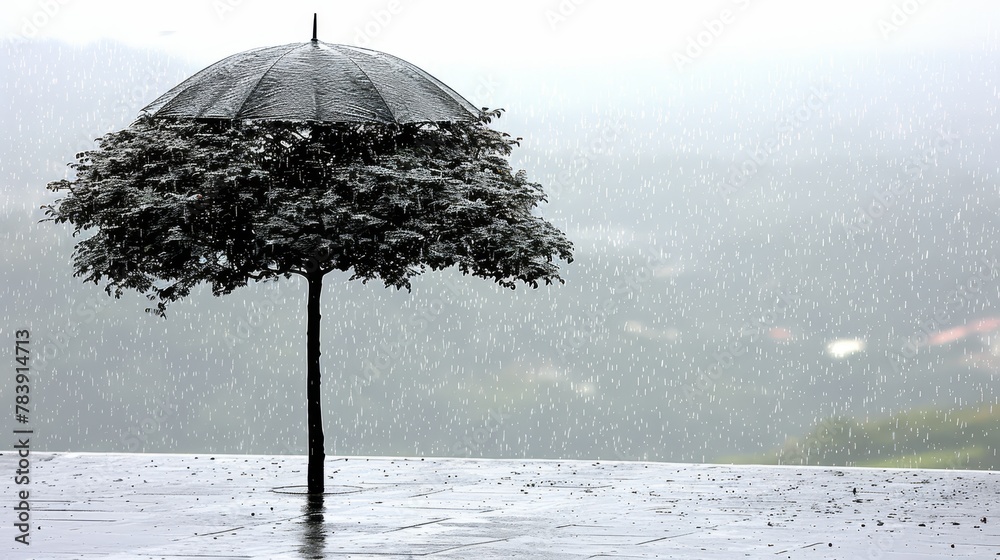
782	254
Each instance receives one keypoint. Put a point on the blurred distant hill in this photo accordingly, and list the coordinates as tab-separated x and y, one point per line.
966	438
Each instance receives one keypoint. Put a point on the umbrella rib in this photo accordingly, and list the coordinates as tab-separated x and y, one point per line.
453	96
262	74
374	87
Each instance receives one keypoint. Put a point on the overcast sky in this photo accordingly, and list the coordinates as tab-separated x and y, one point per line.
519	32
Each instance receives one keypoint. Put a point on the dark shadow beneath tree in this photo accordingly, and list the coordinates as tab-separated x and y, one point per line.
166	205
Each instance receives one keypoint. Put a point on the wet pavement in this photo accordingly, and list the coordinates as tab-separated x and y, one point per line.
144	506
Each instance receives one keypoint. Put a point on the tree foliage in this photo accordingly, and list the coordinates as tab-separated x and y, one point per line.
165	205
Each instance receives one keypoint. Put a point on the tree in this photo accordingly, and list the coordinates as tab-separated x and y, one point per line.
166	205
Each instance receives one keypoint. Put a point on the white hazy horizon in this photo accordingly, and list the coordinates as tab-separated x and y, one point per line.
523	33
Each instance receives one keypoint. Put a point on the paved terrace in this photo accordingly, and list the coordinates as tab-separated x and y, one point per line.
144	506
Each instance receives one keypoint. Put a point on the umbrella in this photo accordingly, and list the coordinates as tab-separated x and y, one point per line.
314	81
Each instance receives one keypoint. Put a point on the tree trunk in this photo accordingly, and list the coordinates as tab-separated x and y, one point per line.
313	393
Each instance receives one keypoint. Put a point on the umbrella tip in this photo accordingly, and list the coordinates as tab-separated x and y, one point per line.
314	27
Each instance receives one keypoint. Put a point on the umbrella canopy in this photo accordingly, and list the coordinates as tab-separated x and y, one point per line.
314	81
